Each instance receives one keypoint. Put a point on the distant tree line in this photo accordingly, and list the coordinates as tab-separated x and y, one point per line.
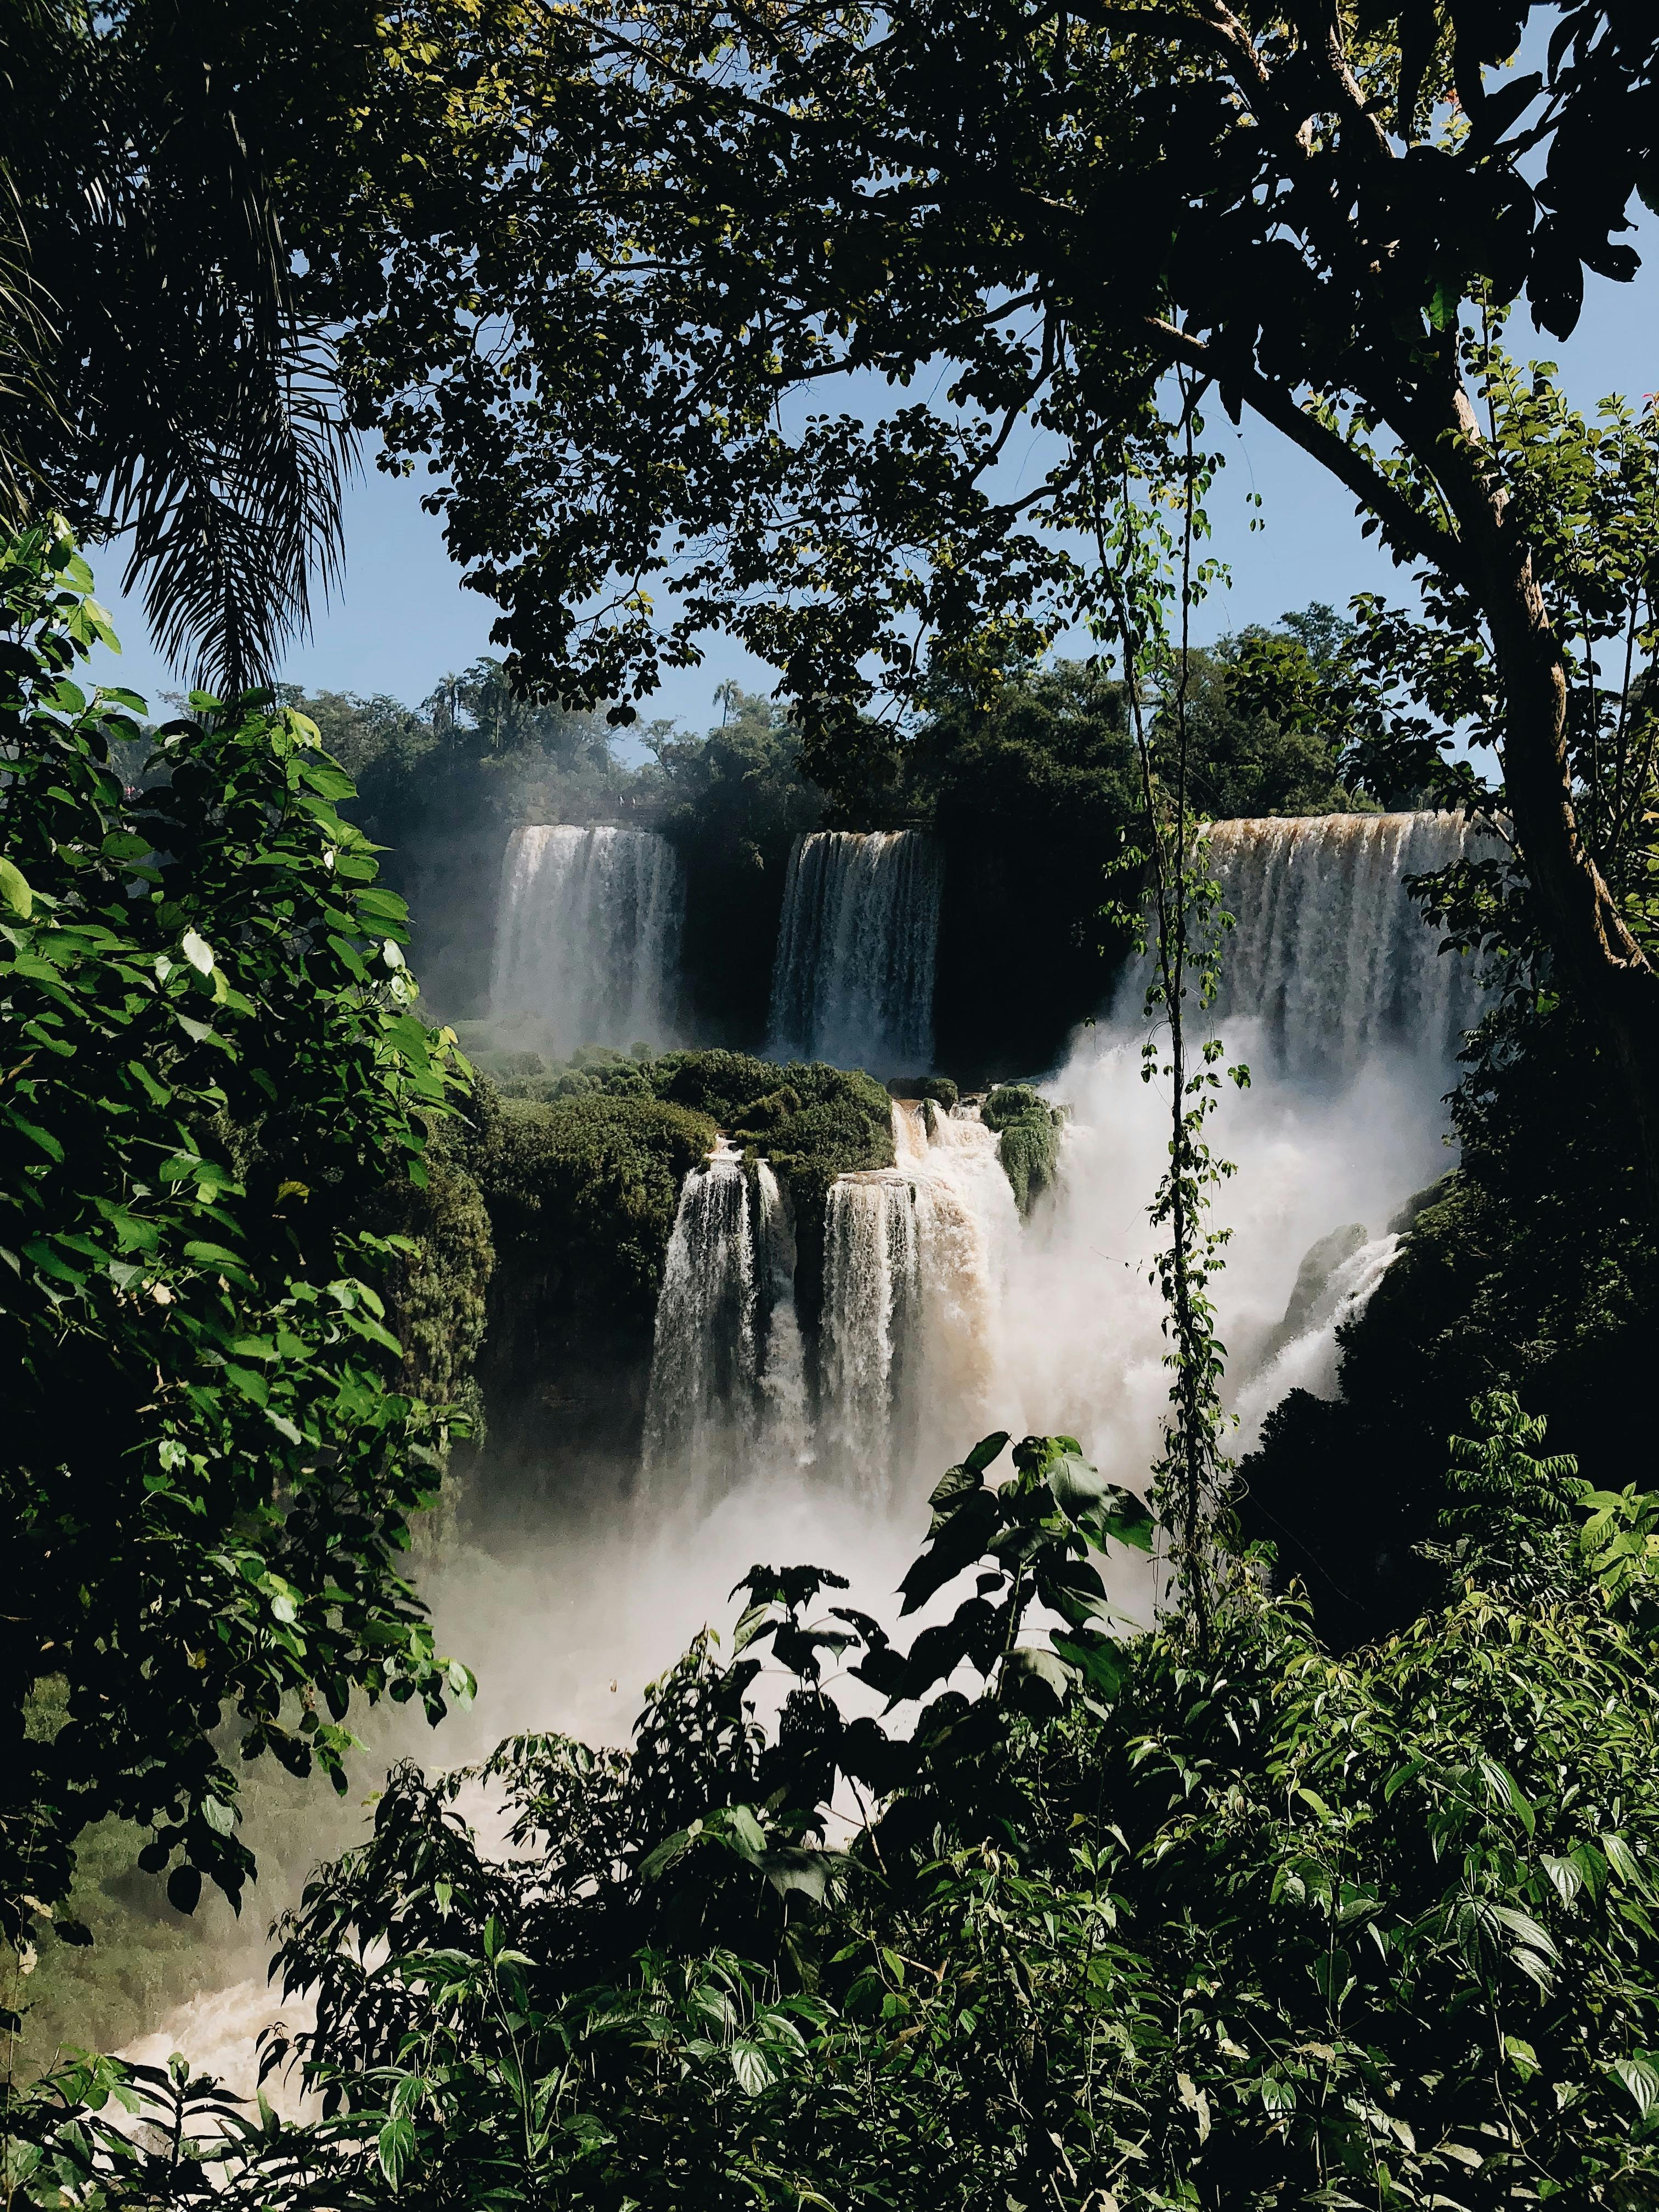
1033	789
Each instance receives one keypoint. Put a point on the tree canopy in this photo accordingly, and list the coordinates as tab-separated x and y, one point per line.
738	320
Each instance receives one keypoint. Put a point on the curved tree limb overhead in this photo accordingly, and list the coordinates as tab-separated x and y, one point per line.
666	229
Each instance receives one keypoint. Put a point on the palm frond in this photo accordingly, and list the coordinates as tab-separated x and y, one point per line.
198	412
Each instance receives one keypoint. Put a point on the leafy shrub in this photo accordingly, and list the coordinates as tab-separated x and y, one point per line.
1124	1922
209	1468
939	1088
583	1188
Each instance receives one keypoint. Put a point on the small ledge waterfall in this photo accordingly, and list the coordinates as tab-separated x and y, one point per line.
728	1378
587	934
852	980
914	1260
1332	955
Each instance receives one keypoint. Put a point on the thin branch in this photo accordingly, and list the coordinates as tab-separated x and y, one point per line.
1406	526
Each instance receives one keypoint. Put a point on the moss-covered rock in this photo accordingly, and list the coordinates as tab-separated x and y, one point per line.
580	1168
939	1088
580	1190
1027	1138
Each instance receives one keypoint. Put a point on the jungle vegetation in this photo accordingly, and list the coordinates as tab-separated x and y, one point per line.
1341	1898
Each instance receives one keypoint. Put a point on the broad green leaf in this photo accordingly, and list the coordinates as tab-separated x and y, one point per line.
1640	2076
395	2148
15	891
1037	1681
753	2068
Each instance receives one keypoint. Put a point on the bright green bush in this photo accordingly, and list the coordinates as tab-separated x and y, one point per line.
210	1461
583	1190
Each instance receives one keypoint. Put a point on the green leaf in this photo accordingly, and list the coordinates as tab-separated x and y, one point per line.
753	2068
396	2147
43	1138
1101	1660
211	1255
1640	2077
15	892
746	1829
792	1867
219	1816
1036	1682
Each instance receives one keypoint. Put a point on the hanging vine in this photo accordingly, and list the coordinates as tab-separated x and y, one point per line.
1180	926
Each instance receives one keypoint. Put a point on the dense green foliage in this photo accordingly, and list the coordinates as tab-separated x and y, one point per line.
1032	792
585	1189
167	369
1534	1268
1179	206
1125	1925
209	1468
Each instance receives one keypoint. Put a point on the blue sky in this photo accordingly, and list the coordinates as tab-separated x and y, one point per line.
402	618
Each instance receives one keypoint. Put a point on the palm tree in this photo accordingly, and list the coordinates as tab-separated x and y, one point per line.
163	378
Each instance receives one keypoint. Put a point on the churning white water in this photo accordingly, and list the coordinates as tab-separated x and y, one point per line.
914	1259
914	1264
853	978
728	1381
587	934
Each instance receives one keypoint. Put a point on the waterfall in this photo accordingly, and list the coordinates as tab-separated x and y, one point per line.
1310	1359
908	1345
1331	954
728	1368
587	934
785	1417
701	1399
870	1290
915	1256
941	1317
852	980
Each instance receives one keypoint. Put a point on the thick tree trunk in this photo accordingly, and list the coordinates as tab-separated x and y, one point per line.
1596	953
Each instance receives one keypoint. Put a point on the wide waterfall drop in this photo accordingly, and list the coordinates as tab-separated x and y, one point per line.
853	979
1336	997
587	936
1331	956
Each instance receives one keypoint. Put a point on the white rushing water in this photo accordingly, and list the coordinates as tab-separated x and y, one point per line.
1331	958
915	1259
587	935
853	978
915	1256
728	1381
944	1318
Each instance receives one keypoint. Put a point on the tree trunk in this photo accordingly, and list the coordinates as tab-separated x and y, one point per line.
1593	948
